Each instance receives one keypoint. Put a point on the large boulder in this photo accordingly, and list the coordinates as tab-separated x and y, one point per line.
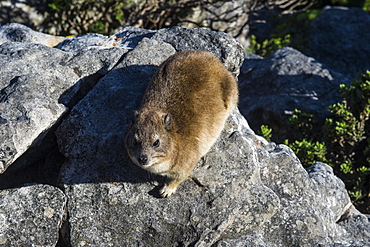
244	192
272	88
38	85
340	39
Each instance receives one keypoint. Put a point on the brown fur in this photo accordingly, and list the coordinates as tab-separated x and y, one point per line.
182	114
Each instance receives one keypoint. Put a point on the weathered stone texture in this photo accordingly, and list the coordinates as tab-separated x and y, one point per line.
244	192
31	215
38	84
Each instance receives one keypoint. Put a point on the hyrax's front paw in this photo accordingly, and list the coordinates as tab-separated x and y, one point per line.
167	190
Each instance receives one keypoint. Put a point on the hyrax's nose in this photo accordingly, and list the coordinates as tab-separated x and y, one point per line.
143	159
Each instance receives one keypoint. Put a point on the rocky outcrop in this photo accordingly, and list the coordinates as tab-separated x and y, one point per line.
244	192
38	84
272	88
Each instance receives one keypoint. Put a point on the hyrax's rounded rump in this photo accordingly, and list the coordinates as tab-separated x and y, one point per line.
182	113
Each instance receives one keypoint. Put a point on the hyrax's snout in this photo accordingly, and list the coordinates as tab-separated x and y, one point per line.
143	159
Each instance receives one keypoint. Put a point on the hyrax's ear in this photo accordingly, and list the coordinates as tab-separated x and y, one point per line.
134	116
167	121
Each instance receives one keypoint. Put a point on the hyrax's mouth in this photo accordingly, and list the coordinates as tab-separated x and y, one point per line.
157	166
147	165
153	162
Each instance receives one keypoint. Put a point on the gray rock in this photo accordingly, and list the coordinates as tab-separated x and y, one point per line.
356	226
87	41
31	215
308	212
14	32
340	39
271	88
231	17
199	39
333	191
181	39
130	36
113	99
244	192
38	84
126	38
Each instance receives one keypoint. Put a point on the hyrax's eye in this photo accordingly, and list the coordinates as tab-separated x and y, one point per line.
156	144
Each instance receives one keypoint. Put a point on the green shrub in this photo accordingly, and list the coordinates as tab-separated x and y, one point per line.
297	26
342	142
289	30
308	151
267	46
346	135
265	132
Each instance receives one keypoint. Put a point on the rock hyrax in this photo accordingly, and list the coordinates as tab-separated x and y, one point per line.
182	113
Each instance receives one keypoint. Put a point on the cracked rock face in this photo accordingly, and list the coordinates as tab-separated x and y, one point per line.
38	84
244	192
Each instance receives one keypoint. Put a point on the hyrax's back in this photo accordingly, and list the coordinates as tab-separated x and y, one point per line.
198	91
183	112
